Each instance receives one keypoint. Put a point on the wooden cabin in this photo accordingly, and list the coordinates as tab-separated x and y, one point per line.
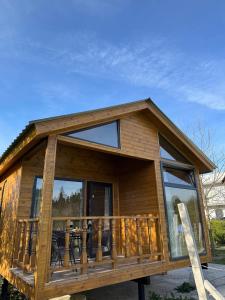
90	199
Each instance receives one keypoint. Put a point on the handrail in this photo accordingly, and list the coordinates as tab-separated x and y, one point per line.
81	243
104	218
28	220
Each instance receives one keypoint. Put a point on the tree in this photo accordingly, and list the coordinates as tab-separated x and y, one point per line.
203	137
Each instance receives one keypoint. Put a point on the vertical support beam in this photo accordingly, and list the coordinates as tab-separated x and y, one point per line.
161	208
4	292
45	218
141	290
193	252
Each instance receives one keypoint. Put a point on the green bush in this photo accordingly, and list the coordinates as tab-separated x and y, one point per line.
185	287
218	231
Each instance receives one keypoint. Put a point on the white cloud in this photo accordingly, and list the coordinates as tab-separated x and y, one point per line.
152	63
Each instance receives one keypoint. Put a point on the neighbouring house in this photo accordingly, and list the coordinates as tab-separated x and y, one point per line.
90	199
214	189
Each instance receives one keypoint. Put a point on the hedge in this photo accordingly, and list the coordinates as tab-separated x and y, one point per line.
218	231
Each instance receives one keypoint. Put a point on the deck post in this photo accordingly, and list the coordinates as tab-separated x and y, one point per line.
45	218
141	290
4	292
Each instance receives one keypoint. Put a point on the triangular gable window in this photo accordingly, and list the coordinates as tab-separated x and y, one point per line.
167	151
106	134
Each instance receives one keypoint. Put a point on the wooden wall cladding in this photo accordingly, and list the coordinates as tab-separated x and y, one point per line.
83	164
71	163
139	137
137	188
11	184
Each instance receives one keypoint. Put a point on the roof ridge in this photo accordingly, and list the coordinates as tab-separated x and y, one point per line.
89	111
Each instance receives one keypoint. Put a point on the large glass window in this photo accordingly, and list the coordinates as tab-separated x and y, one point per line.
67	198
180	188
106	134
167	151
176	176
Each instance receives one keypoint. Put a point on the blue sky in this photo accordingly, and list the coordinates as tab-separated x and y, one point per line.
59	57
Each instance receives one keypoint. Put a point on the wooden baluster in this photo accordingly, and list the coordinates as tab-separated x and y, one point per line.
22	241
17	243
99	250
114	251
158	237
122	236
33	245
139	239
149	221
127	238
83	257
26	257
67	244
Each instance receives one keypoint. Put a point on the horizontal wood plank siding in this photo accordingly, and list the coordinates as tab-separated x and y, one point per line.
137	189
139	136
10	184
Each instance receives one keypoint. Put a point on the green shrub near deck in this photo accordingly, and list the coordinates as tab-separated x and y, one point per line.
218	231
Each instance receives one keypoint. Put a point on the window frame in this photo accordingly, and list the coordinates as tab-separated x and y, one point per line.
95	126
184	167
180	185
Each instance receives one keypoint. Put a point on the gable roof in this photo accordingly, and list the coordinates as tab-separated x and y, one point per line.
38	129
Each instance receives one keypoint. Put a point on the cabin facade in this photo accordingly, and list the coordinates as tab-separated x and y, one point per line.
90	199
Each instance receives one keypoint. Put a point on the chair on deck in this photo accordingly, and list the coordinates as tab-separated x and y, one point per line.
58	247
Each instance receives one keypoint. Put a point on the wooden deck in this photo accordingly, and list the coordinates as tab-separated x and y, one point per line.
63	281
114	247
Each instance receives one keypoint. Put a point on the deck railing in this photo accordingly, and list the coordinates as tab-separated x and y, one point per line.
24	255
82	244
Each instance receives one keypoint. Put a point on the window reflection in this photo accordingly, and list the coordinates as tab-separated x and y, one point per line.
106	134
67	198
167	151
176	176
174	196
